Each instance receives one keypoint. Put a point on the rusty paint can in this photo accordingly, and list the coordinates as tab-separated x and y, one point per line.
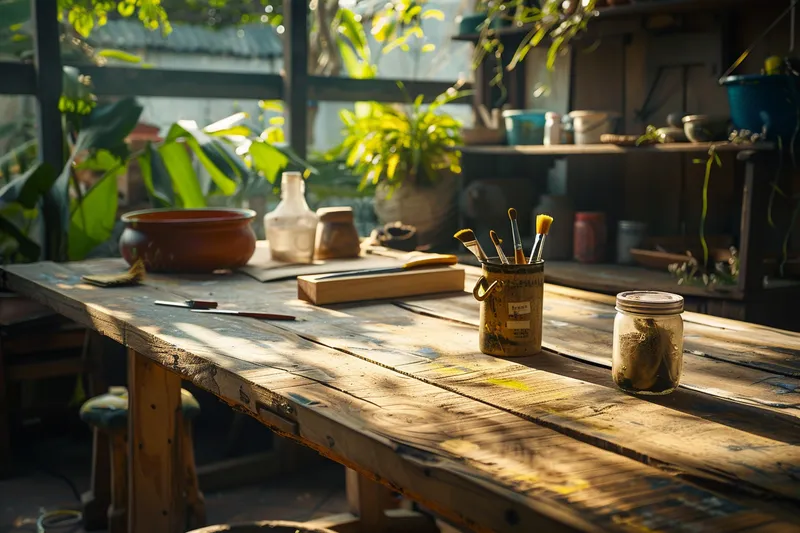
511	308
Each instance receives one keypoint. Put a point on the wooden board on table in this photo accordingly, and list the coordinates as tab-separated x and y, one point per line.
321	291
486	467
263	268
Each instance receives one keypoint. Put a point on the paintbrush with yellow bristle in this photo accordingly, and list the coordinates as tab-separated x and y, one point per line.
470	242
519	255
543	223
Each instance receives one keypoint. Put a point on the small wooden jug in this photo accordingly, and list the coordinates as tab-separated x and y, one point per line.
511	308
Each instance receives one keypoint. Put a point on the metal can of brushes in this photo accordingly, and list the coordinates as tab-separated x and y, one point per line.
511	308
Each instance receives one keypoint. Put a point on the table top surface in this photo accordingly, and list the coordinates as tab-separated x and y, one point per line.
399	391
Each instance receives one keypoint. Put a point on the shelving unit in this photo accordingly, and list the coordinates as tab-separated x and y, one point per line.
616	12
758	159
754	296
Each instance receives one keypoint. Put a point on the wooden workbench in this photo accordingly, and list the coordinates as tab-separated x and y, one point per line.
399	392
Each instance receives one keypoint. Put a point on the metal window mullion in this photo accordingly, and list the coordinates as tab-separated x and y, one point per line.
47	64
295	79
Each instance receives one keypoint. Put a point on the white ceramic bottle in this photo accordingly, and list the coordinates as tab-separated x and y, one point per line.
291	227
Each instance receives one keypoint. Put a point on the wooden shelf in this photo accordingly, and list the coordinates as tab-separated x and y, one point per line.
652	7
612	279
561	150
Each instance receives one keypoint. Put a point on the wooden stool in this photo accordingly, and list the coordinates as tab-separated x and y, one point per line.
262	527
104	505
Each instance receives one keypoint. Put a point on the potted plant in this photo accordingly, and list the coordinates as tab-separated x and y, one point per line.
408	152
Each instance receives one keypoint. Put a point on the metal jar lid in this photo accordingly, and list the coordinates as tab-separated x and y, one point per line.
650	303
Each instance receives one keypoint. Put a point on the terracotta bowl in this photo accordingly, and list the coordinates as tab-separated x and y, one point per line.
188	240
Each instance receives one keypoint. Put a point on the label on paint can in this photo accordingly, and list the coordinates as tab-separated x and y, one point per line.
519	308
519	329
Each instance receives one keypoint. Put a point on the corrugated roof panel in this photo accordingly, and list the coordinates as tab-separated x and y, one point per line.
252	40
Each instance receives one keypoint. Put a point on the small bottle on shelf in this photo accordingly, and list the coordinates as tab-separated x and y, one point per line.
292	226
552	128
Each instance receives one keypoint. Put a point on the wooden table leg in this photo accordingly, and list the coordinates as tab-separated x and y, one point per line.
373	510
155	421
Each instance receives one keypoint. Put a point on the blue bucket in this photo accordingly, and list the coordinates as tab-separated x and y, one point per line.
524	126
758	100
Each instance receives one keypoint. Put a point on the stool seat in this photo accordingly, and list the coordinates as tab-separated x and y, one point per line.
110	411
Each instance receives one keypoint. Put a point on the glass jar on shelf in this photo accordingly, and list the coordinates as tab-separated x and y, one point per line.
647	356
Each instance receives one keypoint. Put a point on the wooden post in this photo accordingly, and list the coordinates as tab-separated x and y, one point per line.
295	77
367	500
47	62
755	197
155	422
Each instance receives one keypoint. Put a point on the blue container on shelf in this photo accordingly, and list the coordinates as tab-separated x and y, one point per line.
524	126
759	100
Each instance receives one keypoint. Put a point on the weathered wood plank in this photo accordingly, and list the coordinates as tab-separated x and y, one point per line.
485	467
444	354
155	476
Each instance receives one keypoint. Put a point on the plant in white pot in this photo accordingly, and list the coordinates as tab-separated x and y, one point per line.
408	152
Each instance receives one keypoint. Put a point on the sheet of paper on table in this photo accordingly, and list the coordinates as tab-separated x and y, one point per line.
263	268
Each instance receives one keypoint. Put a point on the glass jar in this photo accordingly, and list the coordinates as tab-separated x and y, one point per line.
589	237
647	356
292	226
630	234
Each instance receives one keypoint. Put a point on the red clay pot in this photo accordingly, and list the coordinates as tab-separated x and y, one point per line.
188	240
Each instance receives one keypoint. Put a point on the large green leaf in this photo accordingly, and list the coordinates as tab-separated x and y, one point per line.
16	241
267	159
156	178
29	188
211	152
178	164
105	128
92	222
231	125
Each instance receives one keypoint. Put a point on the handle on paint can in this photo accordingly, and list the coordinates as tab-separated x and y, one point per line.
481	291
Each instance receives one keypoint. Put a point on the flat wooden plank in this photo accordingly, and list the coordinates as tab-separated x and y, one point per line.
609	149
155	477
486	468
601	415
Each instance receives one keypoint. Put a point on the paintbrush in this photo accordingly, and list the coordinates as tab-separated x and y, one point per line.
542	229
470	242
497	242
519	255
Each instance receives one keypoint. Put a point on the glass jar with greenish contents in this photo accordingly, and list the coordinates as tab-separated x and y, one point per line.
647	356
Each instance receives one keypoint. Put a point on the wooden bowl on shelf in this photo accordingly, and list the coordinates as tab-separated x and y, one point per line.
188	240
